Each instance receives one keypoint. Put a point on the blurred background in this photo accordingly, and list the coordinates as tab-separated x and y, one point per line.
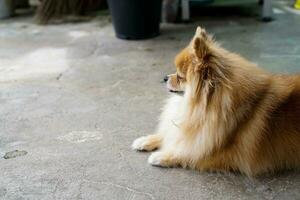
81	79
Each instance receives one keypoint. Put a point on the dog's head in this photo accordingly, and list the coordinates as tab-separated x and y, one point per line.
199	65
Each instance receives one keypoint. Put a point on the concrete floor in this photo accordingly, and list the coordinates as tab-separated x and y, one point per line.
73	97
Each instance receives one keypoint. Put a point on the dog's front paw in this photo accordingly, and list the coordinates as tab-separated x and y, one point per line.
162	159
146	143
139	144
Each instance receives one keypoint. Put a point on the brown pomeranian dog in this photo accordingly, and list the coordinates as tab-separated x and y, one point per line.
231	116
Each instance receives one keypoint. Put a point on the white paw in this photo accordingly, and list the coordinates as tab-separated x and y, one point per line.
139	144
157	159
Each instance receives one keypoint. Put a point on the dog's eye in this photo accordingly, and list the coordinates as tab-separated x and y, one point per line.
179	77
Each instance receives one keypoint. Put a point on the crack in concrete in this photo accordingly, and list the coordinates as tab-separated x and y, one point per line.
131	196
83	167
59	76
56	188
79	195
134	191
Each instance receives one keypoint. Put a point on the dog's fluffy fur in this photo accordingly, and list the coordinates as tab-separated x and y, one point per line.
233	116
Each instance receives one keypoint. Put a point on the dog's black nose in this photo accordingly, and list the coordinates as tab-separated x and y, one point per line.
166	78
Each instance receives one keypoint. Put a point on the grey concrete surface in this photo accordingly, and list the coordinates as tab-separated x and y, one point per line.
73	98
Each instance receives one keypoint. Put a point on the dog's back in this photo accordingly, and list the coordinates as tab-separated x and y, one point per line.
271	140
283	126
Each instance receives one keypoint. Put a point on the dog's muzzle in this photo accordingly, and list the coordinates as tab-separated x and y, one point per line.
166	78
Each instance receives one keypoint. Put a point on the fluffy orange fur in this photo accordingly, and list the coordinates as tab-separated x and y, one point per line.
233	116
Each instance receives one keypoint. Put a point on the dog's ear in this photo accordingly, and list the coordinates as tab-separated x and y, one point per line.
208	67
202	53
200	44
207	62
200	32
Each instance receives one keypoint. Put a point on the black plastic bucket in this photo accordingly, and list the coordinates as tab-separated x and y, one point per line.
135	19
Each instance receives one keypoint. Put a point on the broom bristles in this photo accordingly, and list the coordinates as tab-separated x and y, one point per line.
50	9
